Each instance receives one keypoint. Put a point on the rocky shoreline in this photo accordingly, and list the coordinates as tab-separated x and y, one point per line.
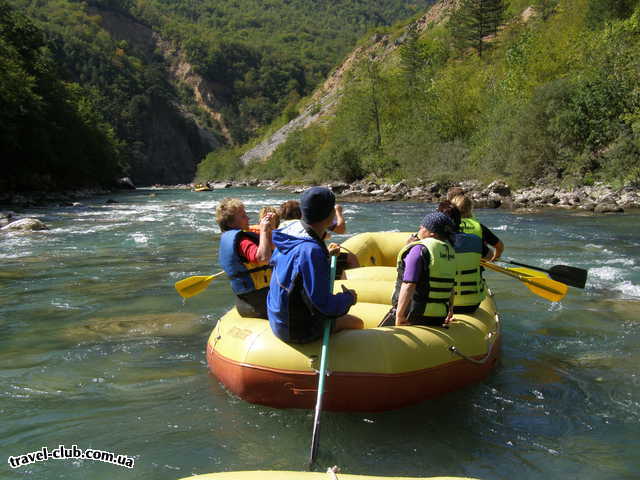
598	198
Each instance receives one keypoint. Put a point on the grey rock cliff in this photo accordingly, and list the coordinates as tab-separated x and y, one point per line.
173	142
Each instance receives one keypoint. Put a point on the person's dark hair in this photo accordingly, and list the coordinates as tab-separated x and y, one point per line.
290	210
451	211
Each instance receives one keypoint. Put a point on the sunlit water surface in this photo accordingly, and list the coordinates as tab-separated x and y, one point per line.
98	350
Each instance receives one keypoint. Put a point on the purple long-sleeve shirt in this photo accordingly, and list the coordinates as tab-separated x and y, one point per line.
413	265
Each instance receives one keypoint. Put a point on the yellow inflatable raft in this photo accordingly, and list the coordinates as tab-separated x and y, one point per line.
374	369
275	475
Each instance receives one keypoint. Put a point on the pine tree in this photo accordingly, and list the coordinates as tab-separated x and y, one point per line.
411	59
474	21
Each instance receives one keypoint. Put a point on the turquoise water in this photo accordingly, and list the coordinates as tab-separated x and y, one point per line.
97	350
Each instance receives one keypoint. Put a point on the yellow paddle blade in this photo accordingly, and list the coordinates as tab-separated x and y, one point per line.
554	291
547	288
528	272
541	286
191	286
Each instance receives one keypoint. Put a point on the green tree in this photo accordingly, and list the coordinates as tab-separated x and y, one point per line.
474	21
601	11
50	130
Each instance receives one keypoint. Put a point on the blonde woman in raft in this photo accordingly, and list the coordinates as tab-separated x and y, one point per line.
469	224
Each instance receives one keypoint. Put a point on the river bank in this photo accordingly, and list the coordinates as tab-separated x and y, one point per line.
599	198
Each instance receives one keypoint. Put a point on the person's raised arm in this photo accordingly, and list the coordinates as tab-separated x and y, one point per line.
265	246
341	224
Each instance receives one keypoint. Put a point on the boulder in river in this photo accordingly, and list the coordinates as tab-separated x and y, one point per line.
134	326
608	208
220	185
339	187
26	225
498	187
6	218
125	183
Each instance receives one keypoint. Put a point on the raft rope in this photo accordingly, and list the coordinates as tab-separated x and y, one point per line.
346	250
219	336
492	337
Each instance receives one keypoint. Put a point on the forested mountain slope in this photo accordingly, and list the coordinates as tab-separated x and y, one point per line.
523	91
160	83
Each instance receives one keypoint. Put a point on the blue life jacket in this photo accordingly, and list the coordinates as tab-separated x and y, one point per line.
245	276
301	276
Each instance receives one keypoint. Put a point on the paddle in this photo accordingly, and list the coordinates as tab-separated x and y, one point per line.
191	286
572	276
315	438
543	287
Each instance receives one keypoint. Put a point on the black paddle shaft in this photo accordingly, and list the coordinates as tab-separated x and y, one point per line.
572	276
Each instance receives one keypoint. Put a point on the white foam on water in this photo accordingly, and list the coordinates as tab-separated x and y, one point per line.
63	305
613	278
548	262
501	227
202	206
212	229
84	230
200	225
16	245
23	254
151	218
350	210
139	238
555	306
606	273
94	213
628	262
628	289
597	248
273	202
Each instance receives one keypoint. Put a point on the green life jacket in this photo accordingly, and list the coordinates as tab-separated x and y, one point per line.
471	226
431	297
469	288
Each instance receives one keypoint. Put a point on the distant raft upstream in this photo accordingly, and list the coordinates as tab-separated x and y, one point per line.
374	369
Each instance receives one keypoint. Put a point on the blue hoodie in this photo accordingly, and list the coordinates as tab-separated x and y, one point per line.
299	298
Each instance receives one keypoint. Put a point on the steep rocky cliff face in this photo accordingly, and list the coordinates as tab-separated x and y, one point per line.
173	141
327	96
173	146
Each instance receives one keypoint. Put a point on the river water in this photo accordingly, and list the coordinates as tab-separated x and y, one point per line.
97	350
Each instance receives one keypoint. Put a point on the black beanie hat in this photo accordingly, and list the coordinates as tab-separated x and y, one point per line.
316	204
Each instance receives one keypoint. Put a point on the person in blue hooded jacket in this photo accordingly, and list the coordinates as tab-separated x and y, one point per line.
299	300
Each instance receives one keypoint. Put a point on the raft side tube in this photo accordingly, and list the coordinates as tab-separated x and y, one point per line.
370	370
376	249
288	475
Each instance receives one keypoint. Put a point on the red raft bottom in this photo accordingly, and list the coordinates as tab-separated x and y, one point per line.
359	392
